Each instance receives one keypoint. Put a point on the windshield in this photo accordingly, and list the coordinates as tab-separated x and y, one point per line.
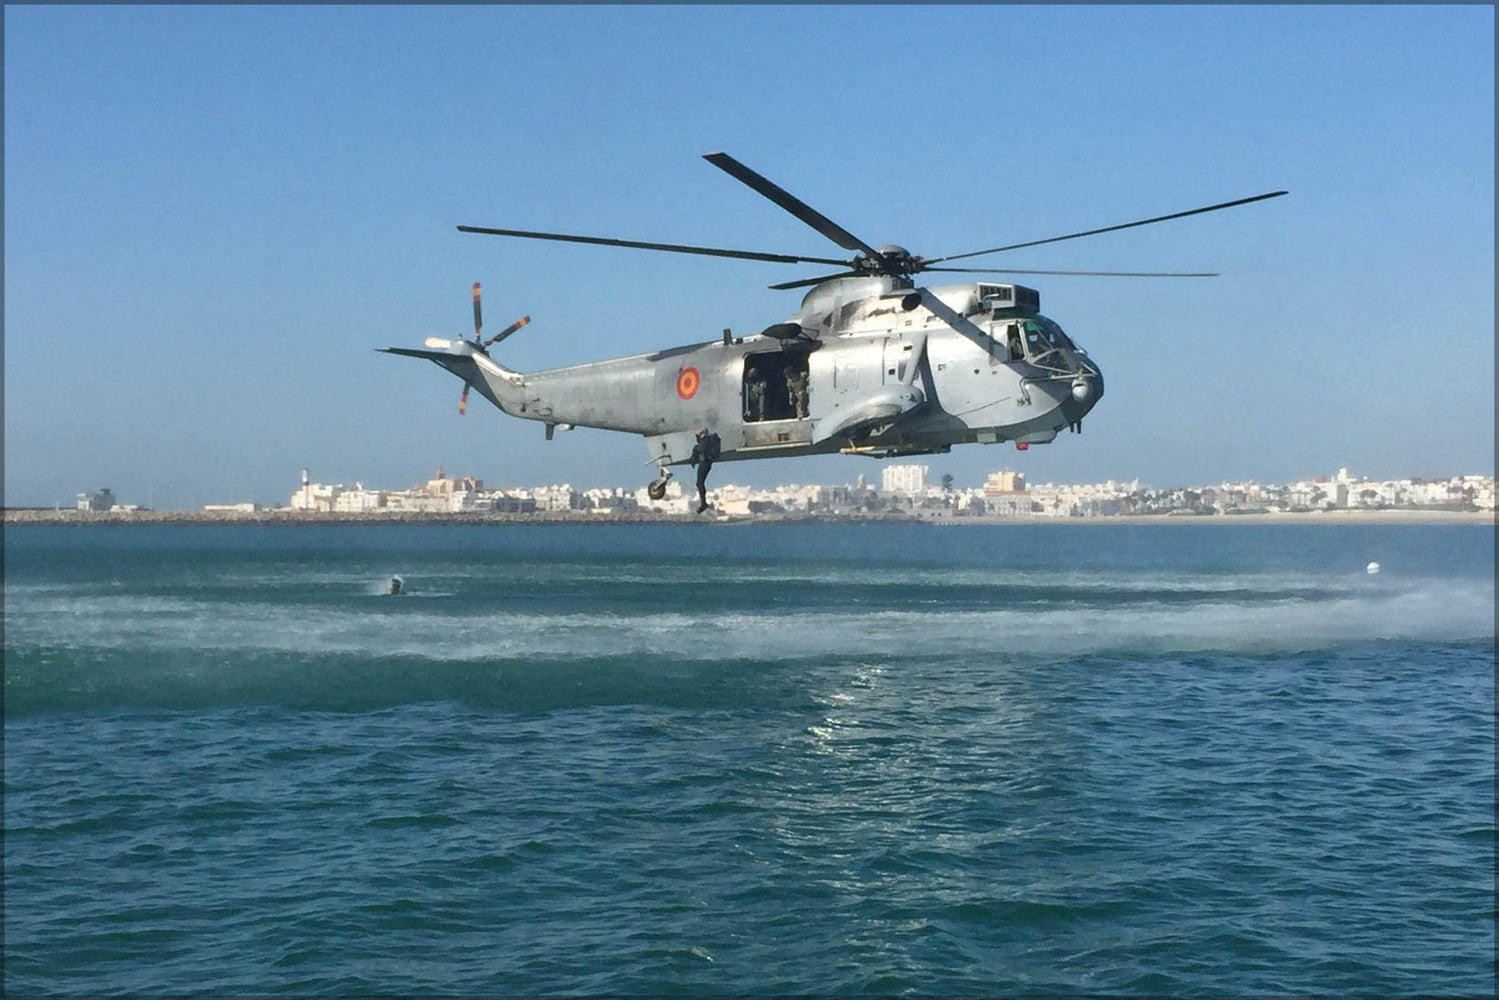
1045	343
1042	335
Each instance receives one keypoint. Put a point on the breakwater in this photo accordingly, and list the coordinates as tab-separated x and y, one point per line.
51	516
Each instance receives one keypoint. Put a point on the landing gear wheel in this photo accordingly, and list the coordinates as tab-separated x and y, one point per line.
657	489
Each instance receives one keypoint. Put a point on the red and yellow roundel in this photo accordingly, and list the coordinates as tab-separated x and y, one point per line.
687	382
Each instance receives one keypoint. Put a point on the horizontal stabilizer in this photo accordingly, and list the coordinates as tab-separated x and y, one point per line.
460	363
441	357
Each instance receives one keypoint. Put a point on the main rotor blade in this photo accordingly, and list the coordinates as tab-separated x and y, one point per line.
776	258
792	204
1090	274
1110	229
817	281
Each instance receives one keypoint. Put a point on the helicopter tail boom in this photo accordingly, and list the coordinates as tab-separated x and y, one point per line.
498	384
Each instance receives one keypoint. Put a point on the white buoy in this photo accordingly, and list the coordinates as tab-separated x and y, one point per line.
1372	568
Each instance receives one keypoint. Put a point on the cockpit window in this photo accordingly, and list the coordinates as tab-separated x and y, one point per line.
1044	335
1055	335
1046	344
1012	341
1037	340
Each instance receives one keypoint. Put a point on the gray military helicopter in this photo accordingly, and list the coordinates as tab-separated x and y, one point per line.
870	364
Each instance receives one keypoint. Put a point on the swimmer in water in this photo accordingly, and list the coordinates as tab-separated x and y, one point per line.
395	585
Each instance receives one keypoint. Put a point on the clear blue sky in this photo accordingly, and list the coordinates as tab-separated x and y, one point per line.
213	215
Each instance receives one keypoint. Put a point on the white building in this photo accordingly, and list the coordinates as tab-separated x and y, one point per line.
1318	495
800	498
1005	481
358	500
1007	505
610	501
418	501
553	498
99	500
315	496
903	478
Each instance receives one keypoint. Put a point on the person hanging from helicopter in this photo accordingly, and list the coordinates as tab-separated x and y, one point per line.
704	453
796	390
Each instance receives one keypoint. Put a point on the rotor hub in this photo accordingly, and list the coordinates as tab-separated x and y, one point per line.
892	259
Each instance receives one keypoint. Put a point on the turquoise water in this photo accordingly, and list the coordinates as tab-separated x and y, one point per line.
857	759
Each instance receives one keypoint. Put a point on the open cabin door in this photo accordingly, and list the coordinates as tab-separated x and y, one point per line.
776	395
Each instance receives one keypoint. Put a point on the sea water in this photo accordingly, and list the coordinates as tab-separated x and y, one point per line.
1173	758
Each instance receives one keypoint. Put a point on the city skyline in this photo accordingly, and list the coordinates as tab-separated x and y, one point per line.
457	493
248	201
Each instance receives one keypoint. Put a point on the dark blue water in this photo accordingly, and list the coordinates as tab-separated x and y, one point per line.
1033	759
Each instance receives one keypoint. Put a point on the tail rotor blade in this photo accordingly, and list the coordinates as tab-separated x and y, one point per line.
463	400
507	331
478	315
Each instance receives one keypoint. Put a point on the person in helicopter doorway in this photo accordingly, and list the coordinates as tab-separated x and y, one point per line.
796	389
757	396
704	453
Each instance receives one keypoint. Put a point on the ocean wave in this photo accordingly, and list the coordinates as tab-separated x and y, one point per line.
173	652
1247	615
323	634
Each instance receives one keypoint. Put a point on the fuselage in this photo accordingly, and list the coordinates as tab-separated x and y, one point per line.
869	365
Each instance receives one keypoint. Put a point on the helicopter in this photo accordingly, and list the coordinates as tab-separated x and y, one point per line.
871	364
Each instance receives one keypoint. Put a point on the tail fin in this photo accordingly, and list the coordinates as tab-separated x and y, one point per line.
469	363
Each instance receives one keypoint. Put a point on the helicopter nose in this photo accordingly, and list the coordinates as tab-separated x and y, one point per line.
1087	390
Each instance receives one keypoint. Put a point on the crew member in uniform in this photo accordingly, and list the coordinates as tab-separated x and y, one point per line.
796	388
703	455
757	396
